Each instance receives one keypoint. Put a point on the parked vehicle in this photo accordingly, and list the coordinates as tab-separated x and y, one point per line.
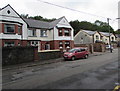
108	47
76	53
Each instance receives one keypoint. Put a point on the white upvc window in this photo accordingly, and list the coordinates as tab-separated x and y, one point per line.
9	28
9	44
34	43
43	33
32	32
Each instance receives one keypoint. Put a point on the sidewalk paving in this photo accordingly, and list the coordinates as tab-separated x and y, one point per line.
43	62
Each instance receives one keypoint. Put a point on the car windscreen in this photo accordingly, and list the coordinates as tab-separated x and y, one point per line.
72	50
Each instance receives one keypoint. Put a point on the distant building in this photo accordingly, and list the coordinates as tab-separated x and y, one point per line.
88	37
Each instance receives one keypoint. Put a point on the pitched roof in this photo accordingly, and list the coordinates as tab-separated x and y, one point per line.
54	23
89	32
105	33
37	24
42	24
14	11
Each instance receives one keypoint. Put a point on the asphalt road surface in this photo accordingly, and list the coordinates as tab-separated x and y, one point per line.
96	72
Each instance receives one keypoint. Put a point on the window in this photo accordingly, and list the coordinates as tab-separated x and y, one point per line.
32	33
19	29
43	33
47	46
67	44
66	32
60	33
34	43
97	37
9	28
112	38
9	44
60	44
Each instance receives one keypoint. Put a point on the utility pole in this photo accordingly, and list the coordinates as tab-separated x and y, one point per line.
108	19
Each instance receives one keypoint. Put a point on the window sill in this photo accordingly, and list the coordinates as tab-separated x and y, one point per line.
32	36
43	36
10	33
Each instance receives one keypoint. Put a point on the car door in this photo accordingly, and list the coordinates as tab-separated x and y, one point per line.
78	53
83	52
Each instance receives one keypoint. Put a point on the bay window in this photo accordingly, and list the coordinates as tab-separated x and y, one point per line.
19	30
9	28
66	32
67	44
61	44
60	33
9	44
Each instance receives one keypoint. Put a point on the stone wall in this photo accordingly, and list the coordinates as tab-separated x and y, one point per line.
17	55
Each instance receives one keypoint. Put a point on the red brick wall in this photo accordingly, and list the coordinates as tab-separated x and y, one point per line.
24	42
55	44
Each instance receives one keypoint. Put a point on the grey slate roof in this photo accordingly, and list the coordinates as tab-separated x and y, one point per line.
37	24
89	32
105	33
42	24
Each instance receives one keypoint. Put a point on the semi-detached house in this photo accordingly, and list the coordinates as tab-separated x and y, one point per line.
17	31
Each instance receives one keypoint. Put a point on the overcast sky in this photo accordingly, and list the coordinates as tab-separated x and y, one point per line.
105	8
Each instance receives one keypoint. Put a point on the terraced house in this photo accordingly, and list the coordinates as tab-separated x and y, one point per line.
90	37
17	31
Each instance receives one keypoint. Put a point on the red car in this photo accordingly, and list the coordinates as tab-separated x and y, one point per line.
76	53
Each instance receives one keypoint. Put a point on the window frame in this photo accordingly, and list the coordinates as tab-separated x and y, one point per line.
32	34
7	26
9	45
43	33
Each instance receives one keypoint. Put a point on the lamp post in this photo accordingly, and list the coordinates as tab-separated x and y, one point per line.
108	19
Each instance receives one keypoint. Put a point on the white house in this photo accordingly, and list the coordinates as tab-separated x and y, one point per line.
14	28
17	31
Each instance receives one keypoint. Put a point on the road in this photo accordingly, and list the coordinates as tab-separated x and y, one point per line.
96	72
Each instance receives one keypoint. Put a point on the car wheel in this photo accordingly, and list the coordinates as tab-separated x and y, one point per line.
73	58
86	56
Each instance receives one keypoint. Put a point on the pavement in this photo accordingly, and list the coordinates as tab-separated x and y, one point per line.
43	62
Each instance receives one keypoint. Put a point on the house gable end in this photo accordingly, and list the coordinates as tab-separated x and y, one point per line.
9	12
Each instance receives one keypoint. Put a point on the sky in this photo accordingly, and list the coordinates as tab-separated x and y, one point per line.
89	10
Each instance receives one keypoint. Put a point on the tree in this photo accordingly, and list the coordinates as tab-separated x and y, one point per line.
24	15
96	26
38	17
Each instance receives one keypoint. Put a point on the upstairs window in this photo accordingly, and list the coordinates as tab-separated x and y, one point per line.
43	33
97	37
9	28
32	33
60	33
66	32
112	38
19	30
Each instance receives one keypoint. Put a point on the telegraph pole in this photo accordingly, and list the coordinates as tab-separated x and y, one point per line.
108	19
